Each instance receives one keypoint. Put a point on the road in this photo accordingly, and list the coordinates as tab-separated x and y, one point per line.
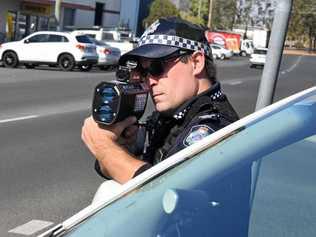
46	173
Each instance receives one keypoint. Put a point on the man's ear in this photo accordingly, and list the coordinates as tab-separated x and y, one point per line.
198	62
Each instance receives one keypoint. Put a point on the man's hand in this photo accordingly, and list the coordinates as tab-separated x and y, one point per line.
102	141
97	137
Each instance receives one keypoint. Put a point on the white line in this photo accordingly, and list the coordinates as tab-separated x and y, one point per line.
293	66
233	82
31	227
18	119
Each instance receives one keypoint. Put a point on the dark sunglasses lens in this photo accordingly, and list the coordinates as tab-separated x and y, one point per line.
156	68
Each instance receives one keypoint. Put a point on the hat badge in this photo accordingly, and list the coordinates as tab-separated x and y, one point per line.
151	29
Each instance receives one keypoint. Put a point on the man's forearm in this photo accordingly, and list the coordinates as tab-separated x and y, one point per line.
118	163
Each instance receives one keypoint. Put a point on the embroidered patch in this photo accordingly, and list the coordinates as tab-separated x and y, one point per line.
197	133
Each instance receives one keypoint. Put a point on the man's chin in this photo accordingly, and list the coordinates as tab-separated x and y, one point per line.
164	110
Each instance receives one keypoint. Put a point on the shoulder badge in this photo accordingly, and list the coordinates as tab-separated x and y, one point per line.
197	133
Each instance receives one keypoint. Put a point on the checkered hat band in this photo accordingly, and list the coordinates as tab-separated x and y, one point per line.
176	41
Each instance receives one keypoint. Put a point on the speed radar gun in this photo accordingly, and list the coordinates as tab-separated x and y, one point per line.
116	100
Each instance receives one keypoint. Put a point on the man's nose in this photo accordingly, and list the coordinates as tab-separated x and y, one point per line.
152	80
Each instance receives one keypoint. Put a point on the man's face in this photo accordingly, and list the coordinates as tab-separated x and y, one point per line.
176	85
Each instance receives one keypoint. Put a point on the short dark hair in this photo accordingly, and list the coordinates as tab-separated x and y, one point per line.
209	67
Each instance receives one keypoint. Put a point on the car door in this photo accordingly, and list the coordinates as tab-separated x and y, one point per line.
184	200
56	45
34	48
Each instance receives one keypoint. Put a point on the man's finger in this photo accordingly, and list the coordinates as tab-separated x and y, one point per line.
130	131
120	126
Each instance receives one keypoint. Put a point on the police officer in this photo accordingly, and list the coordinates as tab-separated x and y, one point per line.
174	57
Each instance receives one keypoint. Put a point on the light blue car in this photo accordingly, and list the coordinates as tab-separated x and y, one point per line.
174	198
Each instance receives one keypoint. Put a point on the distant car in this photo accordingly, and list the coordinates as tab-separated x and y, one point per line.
108	56
50	48
122	40
258	58
177	197
219	52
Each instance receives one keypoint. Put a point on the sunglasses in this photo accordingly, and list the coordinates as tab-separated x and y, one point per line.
157	67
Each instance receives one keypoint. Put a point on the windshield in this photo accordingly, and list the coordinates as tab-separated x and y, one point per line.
285	191
98	42
83	39
107	36
260	51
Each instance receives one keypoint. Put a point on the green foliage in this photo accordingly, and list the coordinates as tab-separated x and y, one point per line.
223	14
198	12
303	22
158	9
189	17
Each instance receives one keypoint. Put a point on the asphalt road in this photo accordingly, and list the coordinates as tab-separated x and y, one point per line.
46	173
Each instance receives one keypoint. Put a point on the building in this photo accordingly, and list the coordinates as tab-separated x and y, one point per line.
19	18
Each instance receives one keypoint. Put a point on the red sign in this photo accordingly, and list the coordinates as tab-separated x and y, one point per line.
229	41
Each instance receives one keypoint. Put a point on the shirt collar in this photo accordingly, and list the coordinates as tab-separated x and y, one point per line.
214	93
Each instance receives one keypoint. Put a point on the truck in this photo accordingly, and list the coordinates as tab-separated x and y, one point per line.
231	41
122	39
260	38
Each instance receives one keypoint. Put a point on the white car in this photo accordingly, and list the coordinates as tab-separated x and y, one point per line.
121	40
258	58
108	56
219	52
51	48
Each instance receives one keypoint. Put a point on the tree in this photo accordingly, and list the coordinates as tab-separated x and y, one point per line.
224	12
302	23
158	9
223	16
243	14
196	12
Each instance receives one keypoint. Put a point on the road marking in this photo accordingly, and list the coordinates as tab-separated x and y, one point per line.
293	66
18	118
232	82
31	227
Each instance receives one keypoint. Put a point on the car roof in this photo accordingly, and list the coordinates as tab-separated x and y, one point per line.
51	32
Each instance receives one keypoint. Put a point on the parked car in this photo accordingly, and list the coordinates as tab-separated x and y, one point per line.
122	40
50	48
258	58
176	196
108	56
219	52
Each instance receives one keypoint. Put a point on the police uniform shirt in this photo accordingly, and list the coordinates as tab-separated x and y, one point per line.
197	118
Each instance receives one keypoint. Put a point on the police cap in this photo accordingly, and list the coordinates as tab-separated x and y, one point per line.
166	36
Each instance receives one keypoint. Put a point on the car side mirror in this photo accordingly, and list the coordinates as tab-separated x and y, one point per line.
26	41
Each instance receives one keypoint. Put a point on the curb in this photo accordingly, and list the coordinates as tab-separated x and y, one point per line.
298	52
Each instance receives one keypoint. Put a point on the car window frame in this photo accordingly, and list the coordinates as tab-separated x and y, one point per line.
63	38
38	35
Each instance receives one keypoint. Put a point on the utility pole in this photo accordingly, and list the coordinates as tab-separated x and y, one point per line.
210	8
57	13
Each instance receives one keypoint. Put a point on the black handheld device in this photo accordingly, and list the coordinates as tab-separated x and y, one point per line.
116	100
